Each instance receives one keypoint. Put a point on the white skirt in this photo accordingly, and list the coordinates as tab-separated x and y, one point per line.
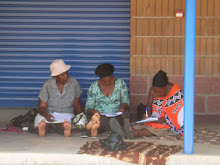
38	119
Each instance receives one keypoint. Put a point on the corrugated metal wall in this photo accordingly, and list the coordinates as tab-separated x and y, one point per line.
84	33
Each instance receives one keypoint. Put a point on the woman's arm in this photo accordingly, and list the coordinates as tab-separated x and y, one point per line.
42	109
149	107
123	108
91	111
150	102
124	98
77	106
90	102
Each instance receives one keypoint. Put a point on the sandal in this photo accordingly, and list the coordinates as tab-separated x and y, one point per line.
85	134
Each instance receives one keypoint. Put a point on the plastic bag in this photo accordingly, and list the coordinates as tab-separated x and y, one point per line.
79	121
113	142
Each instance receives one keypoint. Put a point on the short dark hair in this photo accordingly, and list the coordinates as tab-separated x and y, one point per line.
104	70
160	79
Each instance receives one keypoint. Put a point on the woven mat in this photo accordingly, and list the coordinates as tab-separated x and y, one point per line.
137	152
202	135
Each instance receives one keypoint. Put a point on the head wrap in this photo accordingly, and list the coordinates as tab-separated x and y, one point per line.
160	79
104	70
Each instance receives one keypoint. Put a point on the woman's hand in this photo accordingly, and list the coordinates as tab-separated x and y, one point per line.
96	111
42	109
92	111
161	120
121	110
144	116
49	117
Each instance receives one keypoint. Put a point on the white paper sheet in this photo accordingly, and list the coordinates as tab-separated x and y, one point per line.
61	117
149	119
111	114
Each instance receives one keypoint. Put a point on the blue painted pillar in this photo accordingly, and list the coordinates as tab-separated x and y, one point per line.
189	70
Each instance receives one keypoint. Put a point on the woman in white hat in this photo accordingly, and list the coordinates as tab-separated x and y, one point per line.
59	94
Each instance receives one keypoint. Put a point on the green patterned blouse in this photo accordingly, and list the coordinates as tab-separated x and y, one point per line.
97	101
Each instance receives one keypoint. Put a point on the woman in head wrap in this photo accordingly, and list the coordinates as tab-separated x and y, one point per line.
165	101
109	94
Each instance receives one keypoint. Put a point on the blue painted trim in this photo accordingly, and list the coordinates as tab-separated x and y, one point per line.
189	70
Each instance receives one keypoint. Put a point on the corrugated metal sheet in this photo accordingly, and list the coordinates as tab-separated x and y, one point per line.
84	33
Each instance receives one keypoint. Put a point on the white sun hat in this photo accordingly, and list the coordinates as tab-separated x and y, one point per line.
58	66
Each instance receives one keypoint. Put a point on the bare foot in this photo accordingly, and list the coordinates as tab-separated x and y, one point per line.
67	128
94	129
94	119
42	128
143	132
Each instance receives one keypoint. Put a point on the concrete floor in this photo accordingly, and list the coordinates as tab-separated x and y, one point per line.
54	149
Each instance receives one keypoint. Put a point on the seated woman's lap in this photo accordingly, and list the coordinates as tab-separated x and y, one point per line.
104	122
